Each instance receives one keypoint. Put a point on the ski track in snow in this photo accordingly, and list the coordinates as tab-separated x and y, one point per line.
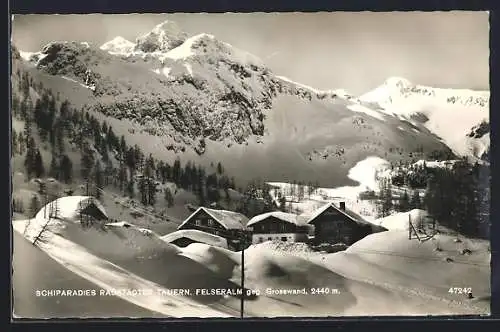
112	277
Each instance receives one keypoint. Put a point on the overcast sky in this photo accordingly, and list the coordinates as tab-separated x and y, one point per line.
353	51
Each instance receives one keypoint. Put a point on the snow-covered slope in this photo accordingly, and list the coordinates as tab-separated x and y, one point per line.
121	256
434	108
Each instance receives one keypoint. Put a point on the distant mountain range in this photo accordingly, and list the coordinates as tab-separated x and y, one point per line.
202	99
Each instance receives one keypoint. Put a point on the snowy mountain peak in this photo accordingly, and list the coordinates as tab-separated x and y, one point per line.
166	27
433	108
118	45
396	90
212	49
398	82
164	37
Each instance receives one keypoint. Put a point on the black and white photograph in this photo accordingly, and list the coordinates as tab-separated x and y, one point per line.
250	165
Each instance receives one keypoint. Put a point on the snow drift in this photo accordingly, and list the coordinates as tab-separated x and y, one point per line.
196	236
382	274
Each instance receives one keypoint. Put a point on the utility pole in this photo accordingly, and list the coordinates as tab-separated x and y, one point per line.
409	226
243	242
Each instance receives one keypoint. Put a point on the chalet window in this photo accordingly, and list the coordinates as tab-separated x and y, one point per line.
261	239
283	238
210	222
197	222
269	238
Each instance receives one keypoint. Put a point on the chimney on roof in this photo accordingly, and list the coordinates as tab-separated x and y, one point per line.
342	206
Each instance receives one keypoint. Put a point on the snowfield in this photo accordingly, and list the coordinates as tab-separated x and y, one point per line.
364	172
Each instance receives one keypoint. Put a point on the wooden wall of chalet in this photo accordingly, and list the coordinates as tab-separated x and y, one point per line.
273	225
333	227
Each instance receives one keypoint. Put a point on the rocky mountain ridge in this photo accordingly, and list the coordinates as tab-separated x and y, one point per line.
193	90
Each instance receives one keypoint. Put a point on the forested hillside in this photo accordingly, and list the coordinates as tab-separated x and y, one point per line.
52	139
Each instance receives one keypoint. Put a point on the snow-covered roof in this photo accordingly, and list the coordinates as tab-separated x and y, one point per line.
197	236
287	217
69	207
228	219
350	214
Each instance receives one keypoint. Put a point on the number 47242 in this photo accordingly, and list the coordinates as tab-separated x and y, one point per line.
460	290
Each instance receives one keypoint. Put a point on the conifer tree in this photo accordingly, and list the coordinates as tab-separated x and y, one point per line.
14	148
98	179
38	164
29	160
143	190
34	207
87	162
220	169
169	198
66	169
404	202
415	202
385	201
176	172
131	188
54	167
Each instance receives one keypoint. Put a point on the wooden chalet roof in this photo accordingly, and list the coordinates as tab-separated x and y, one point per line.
348	213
